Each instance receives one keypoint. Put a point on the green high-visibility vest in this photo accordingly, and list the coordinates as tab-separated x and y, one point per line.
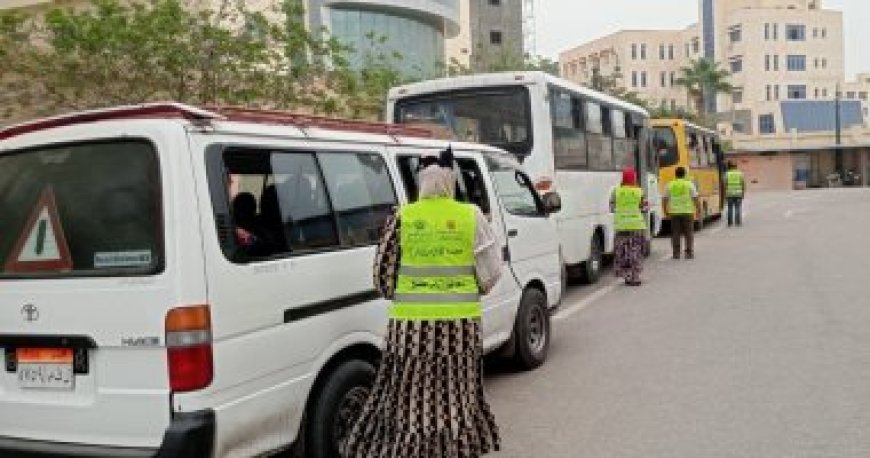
734	183
681	200
628	216
436	274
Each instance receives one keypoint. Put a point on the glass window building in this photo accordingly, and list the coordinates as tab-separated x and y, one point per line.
408	33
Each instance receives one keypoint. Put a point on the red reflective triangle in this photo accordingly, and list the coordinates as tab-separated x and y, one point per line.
42	246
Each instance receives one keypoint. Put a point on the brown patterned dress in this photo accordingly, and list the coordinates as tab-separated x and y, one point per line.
428	398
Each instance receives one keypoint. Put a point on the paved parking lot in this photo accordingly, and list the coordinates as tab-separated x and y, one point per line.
758	348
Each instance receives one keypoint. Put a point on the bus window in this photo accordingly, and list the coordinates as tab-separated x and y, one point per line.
623	147
665	146
598	139
569	139
695	146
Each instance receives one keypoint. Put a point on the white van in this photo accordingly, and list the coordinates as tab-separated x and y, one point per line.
177	282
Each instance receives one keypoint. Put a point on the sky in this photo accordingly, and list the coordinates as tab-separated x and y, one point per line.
563	24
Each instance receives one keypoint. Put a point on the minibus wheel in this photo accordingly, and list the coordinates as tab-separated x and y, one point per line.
338	405
532	330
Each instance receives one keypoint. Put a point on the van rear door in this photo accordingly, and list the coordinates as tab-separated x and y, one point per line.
84	290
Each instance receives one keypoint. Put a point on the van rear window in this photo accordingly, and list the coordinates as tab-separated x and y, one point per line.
86	209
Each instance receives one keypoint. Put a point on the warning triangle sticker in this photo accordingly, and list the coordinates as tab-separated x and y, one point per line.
42	246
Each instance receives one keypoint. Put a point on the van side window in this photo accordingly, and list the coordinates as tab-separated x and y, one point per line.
362	195
516	192
290	202
470	186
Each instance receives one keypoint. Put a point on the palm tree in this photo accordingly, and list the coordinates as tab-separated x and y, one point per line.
704	78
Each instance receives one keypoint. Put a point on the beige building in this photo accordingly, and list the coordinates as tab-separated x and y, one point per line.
786	59
643	61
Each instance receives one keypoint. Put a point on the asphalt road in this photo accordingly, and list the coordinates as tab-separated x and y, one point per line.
760	347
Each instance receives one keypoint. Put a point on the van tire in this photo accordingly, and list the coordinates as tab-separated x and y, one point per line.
591	268
532	330
347	387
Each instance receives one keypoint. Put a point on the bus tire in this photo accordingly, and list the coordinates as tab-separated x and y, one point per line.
591	268
532	330
336	408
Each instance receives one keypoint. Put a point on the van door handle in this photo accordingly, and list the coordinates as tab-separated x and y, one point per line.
513	233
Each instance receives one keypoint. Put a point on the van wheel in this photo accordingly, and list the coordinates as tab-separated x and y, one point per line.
532	330
592	266
337	407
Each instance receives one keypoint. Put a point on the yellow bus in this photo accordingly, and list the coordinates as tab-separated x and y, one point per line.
679	143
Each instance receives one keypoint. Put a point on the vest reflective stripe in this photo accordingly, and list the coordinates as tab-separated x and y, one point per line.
734	183
436	298
436	277
681	201
410	312
628	215
411	271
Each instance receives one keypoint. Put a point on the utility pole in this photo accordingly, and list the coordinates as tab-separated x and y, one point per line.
838	152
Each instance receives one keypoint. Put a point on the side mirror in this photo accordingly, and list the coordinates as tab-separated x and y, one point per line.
552	202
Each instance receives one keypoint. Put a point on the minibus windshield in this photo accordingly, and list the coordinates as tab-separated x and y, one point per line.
84	209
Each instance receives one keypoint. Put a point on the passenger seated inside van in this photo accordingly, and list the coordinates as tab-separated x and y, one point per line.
249	236
270	221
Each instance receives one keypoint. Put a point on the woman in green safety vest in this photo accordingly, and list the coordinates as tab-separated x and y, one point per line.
435	261
629	205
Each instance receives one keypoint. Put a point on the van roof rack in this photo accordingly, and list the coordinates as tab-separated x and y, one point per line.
156	110
303	121
172	110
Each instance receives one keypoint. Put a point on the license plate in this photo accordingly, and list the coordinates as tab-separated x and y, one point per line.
45	368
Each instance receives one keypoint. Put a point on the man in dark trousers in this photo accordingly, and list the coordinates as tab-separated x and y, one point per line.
735	191
681	207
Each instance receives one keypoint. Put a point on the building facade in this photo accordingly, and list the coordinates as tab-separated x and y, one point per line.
643	61
416	30
490	34
786	59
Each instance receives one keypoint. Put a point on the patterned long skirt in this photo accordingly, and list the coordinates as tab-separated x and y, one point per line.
628	255
428	399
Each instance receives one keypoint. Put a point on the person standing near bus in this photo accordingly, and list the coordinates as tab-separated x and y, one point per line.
735	191
436	259
681	207
628	205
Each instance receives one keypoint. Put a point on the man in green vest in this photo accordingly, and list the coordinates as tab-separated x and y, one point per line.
735	191
681	207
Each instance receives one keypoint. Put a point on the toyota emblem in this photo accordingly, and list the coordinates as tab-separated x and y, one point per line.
30	312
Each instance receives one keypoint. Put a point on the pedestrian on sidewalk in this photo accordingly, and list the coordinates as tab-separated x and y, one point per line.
629	205
435	260
735	191
682	205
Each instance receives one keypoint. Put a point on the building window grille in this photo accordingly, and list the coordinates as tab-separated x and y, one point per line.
766	124
795	32
796	63
797	91
495	37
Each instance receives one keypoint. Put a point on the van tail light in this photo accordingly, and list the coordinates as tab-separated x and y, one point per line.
188	348
544	185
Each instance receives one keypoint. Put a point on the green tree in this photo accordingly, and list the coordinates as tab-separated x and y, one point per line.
703	79
117	52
